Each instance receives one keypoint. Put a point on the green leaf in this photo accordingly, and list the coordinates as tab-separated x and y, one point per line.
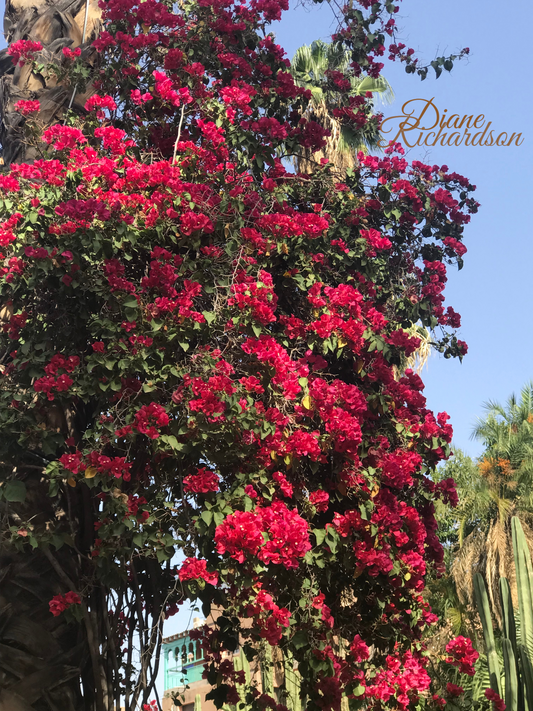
57	542
218	518
138	540
173	442
320	535
207	517
209	316
15	491
162	555
300	640
130	302
436	66
332	539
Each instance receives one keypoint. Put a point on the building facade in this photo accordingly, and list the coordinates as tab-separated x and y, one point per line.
183	665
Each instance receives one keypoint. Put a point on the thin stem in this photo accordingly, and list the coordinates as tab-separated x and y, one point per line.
129	671
112	650
82	41
143	638
156	637
179	134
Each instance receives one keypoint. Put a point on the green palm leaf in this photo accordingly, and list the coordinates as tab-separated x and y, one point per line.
310	68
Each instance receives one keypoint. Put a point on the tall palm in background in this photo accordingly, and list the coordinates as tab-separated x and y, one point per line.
55	24
314	67
502	488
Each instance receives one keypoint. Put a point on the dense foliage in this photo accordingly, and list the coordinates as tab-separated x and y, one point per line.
201	353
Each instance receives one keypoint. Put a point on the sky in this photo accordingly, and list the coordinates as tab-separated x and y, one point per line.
493	292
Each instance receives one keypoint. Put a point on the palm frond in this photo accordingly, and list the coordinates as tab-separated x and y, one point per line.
475	685
310	68
456	618
317	95
302	63
466	563
379	86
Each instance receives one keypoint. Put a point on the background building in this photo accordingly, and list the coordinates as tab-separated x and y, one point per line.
183	665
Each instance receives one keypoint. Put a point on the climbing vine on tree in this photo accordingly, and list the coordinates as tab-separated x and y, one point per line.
201	354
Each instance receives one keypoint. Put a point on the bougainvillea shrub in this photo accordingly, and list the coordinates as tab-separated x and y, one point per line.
204	352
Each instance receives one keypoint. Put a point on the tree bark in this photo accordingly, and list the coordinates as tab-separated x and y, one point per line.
44	662
55	25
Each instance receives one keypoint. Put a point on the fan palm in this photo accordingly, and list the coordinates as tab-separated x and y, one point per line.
314	67
501	489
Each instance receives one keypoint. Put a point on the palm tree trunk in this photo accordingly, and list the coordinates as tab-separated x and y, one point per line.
41	656
49	663
307	161
55	24
45	662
